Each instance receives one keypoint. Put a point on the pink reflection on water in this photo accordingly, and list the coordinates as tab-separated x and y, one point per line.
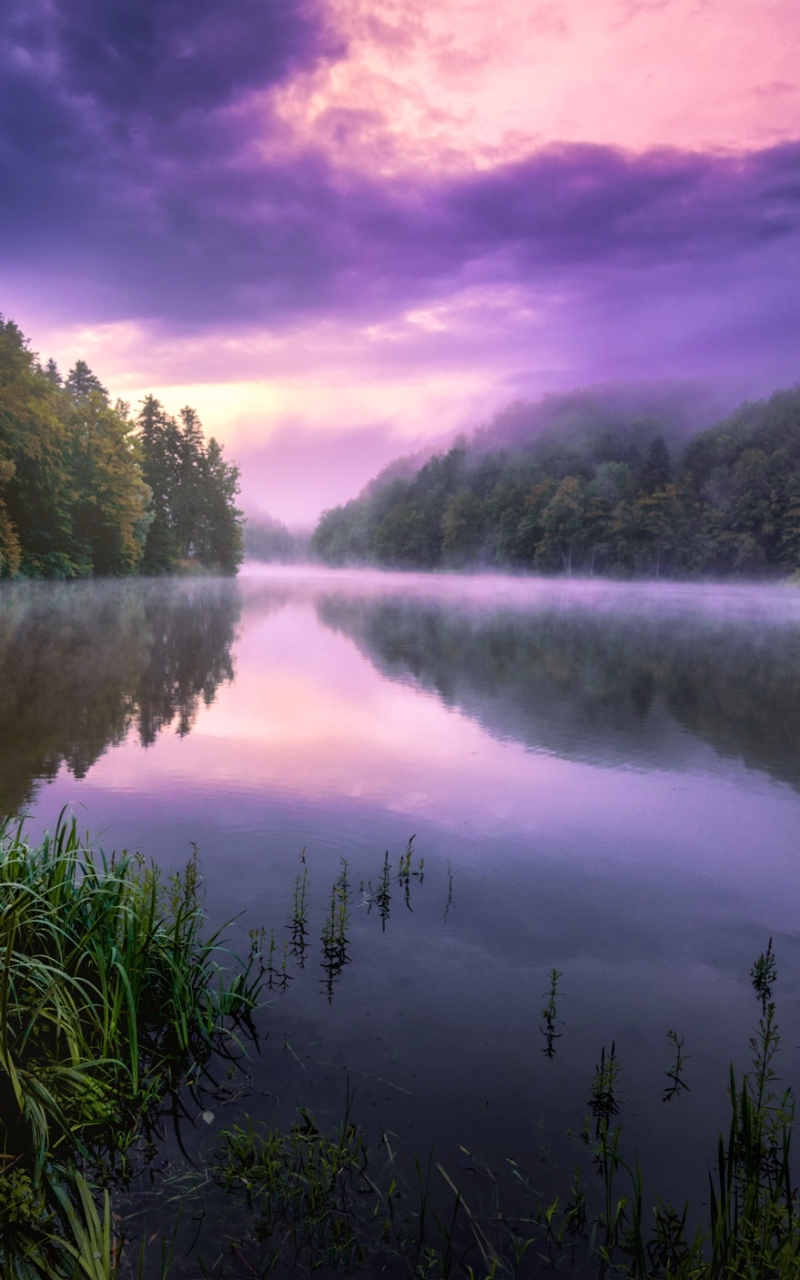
309	720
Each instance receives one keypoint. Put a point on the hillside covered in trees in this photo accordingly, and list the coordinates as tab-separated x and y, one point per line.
87	489
571	487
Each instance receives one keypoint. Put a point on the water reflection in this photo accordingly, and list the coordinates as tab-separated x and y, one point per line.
601	686
368	707
83	664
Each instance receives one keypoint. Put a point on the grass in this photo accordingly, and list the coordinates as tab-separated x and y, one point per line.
111	1001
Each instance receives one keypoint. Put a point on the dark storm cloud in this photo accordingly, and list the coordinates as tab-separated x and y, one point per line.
154	60
578	205
100	98
129	175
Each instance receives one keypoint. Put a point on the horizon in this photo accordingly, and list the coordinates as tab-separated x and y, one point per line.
345	232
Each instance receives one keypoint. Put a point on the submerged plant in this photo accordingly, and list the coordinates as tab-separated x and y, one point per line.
405	872
674	1072
449	903
550	1016
299	921
753	1231
383	894
334	931
314	1199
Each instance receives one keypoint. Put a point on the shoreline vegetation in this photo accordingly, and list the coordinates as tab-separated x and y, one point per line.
593	482
597	482
115	1012
87	489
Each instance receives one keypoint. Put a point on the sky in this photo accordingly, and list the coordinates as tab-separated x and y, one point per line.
346	229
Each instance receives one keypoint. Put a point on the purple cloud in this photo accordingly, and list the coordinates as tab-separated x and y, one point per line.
131	188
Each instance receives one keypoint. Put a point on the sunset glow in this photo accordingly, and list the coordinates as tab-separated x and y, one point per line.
351	227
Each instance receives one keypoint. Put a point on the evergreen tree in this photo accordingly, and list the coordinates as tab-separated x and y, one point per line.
193	503
35	484
159	468
190	501
111	498
81	383
220	541
85	490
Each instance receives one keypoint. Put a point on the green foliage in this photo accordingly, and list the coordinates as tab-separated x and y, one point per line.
592	497
753	1228
312	1195
110	1000
83	491
194	516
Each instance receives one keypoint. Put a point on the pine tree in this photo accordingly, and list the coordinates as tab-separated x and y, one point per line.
161	549
111	497
35	484
221	530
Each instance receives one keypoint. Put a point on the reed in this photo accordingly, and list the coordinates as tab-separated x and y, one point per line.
405	871
111	1000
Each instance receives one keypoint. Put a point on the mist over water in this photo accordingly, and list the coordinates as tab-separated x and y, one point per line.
600	777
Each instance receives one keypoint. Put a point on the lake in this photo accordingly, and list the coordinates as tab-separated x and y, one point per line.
599	778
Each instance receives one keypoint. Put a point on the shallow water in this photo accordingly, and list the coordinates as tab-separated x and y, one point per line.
601	778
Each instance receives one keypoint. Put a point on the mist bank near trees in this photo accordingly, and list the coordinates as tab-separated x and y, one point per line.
269	539
87	489
593	482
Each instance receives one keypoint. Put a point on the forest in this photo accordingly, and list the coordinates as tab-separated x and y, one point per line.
87	489
588	494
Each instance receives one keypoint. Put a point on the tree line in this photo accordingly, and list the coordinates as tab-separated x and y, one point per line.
88	489
269	539
612	500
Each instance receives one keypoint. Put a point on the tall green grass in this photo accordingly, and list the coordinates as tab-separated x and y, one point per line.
111	1000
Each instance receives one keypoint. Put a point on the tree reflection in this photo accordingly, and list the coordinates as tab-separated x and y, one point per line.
84	663
601	686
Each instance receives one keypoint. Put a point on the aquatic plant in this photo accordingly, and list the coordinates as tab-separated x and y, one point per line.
112	1005
111	1001
335	941
550	1016
405	872
299	921
320	1201
314	1200
753	1228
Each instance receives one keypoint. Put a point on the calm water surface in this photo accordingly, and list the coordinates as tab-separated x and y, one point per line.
600	778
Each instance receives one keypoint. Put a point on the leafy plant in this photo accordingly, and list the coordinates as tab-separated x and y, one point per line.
111	1000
